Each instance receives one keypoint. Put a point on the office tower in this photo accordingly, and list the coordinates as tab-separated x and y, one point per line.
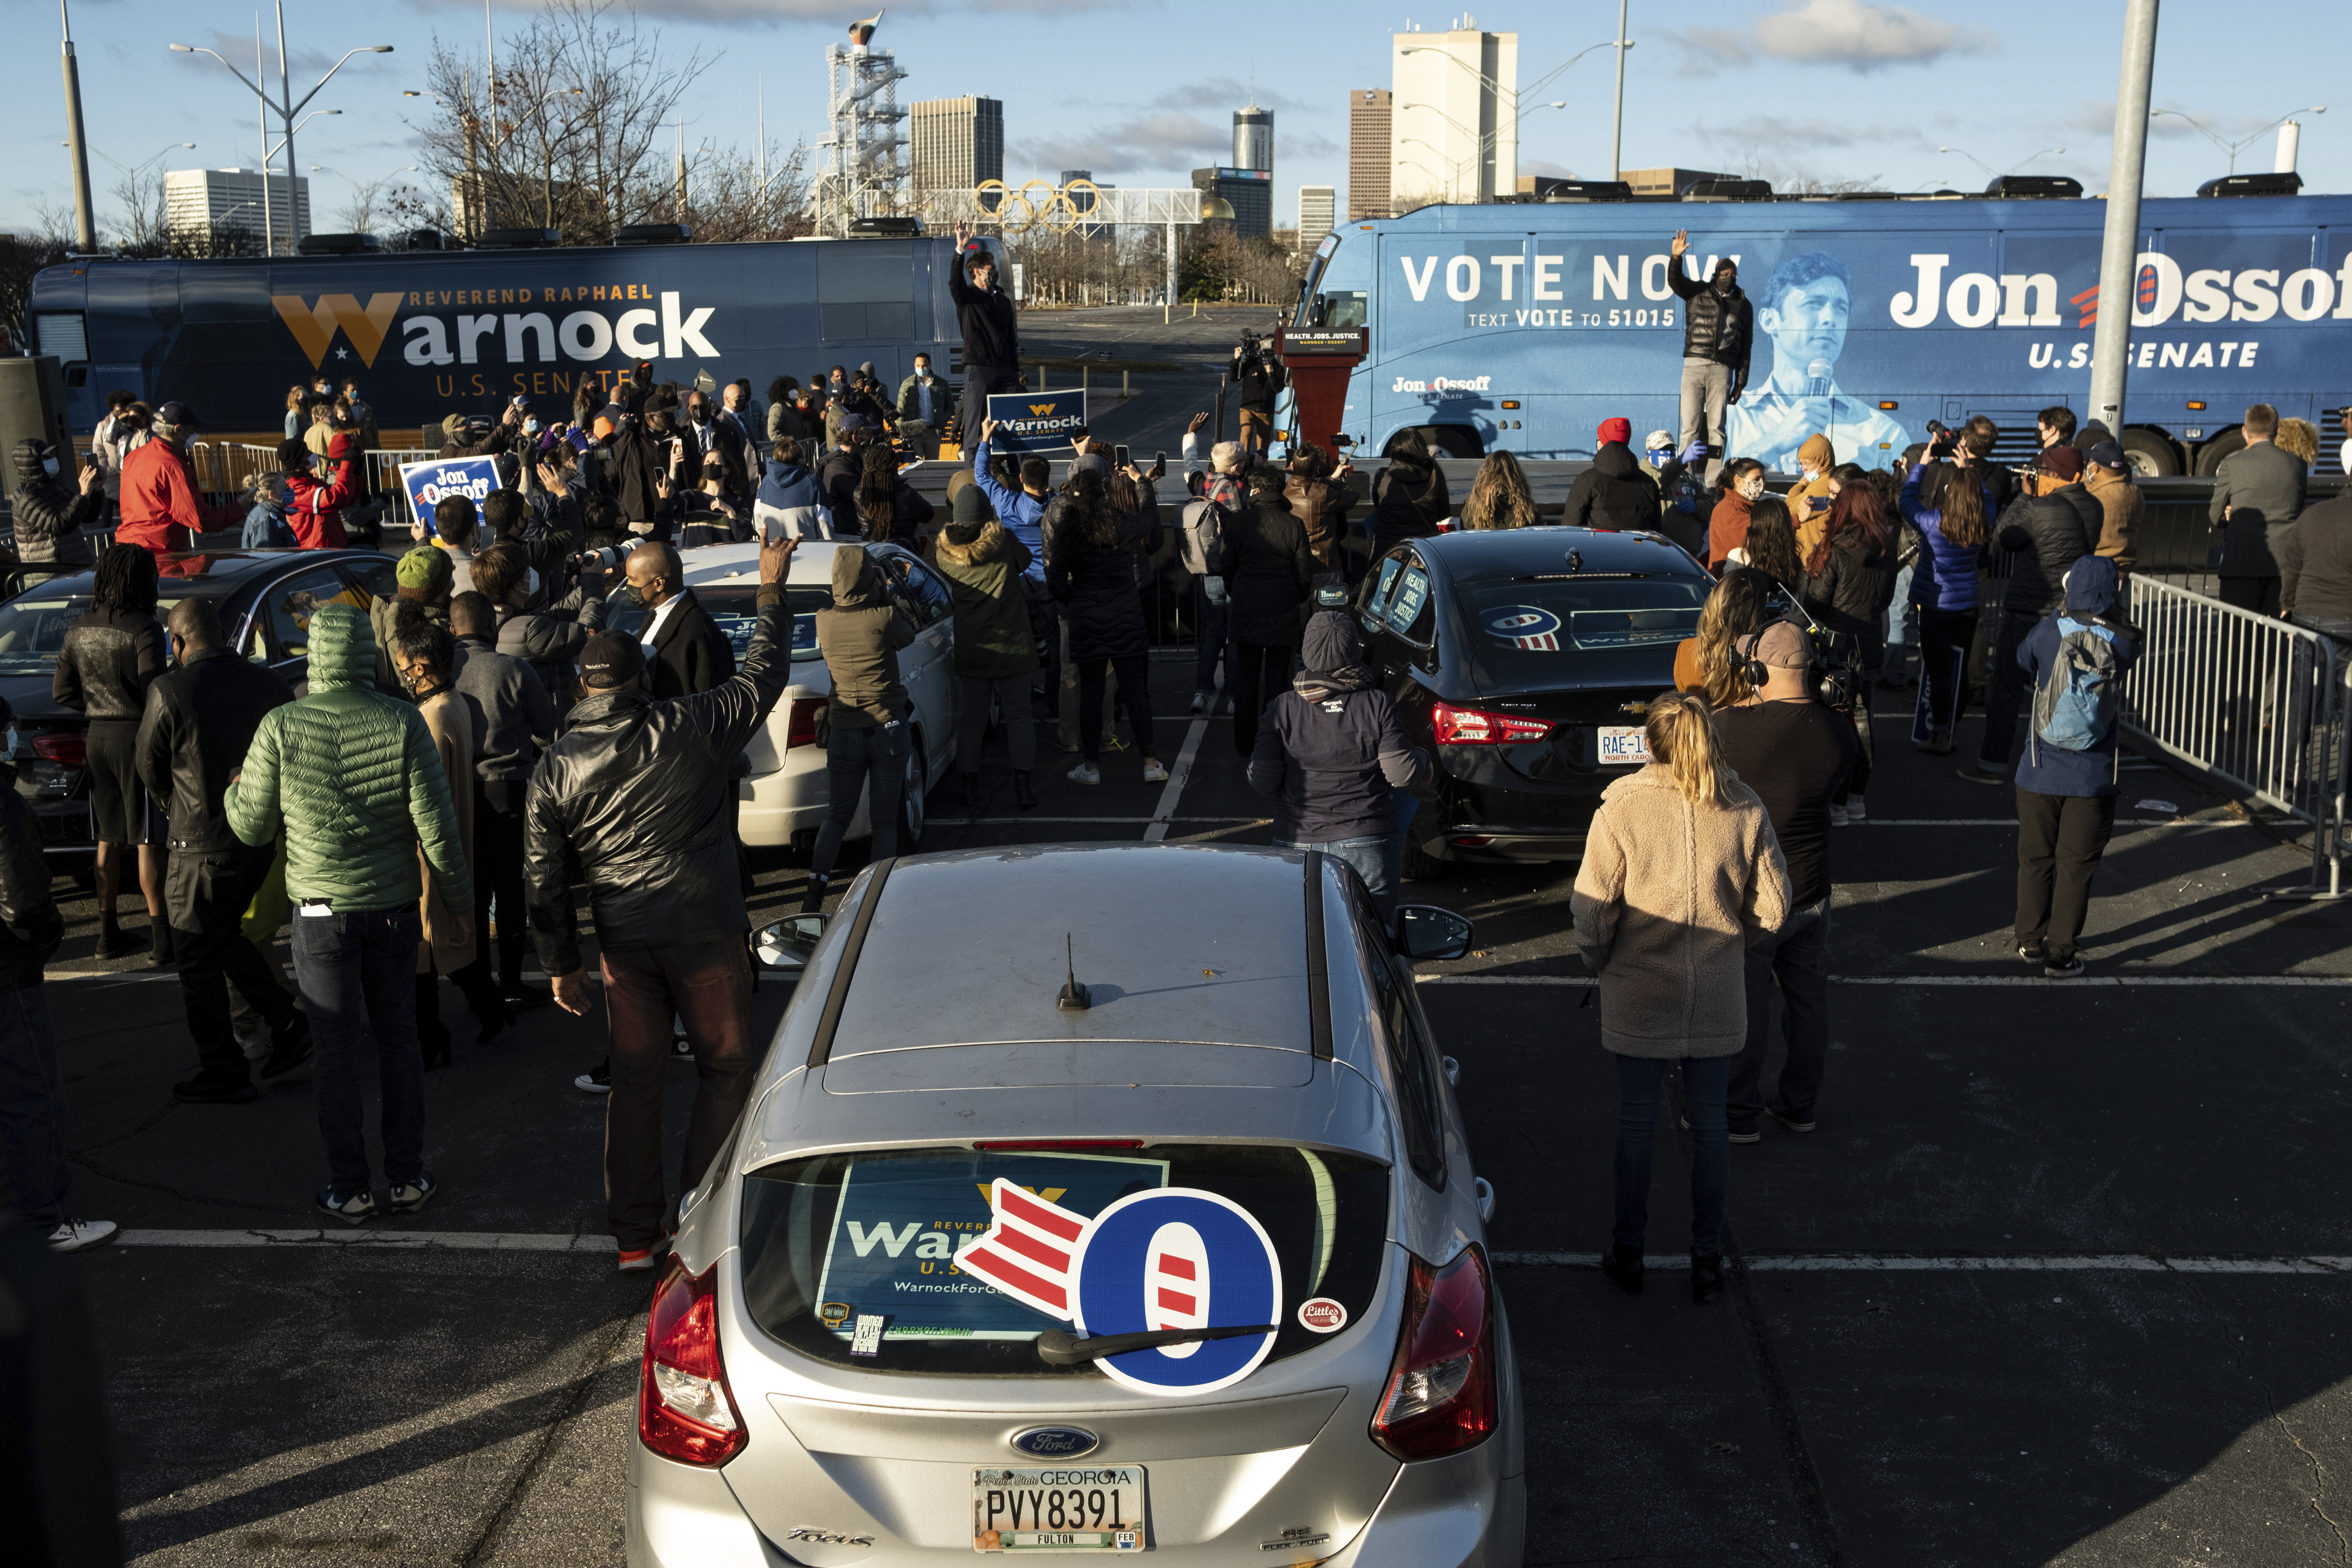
1251	191
956	142
1254	137
1370	152
1314	216
201	203
1455	133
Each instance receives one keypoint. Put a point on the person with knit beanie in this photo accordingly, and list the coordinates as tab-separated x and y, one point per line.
995	649
424	575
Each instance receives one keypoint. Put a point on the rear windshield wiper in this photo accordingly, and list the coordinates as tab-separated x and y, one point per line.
1057	1348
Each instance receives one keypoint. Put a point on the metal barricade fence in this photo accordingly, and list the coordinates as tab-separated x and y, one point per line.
384	467
2257	702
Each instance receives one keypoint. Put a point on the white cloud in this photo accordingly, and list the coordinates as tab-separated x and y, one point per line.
1147	141
829	12
1850	33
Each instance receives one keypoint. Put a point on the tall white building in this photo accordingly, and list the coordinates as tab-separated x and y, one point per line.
201	203
1454	134
1254	137
1316	205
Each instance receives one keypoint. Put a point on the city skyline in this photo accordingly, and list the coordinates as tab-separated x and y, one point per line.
1748	92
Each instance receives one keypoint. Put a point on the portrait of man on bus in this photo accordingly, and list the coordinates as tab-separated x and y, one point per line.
1802	311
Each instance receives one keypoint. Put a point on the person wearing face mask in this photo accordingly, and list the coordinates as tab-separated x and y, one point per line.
1717	329
424	577
1815	483
923	408
635	797
1726	527
201	718
684	648
49	519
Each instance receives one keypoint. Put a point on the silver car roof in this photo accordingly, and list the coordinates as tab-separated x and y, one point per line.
944	1026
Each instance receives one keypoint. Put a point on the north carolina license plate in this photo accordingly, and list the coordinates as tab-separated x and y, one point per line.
1058	1507
1622	744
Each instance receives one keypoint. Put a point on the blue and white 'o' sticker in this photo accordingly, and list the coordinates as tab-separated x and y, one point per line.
1516	621
1177	1258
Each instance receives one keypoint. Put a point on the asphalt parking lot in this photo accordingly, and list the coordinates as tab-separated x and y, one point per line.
2062	1279
2066	1276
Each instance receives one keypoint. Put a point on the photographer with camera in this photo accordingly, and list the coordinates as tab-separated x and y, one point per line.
1261	379
1848	583
2055	521
1799	757
1952	505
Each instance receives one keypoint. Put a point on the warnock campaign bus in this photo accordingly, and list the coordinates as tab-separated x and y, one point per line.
1520	327
430	333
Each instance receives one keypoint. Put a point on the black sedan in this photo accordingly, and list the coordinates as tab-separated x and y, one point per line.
1525	660
265	598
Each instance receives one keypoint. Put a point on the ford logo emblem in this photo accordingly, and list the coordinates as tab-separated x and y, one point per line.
1056	1442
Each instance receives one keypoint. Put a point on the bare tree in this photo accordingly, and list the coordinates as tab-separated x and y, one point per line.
145	220
21	256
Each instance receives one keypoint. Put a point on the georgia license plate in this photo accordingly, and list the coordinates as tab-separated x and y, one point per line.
1623	745
1058	1507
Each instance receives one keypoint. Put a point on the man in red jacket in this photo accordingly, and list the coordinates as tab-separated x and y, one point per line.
161	507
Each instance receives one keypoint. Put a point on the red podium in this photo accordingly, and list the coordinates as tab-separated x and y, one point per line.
1319	363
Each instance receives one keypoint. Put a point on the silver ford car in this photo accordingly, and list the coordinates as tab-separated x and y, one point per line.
1092	1200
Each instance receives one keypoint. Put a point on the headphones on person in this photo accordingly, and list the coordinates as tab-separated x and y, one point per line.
1752	669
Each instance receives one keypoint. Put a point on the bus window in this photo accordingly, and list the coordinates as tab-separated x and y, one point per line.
1343	284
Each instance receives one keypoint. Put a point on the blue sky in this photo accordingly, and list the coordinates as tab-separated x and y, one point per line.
1142	92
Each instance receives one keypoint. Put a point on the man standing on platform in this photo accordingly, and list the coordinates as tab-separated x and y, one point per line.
991	337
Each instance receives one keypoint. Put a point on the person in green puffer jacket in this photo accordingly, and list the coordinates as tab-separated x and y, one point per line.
352	778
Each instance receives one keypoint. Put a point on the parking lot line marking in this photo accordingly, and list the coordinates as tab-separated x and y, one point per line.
2079	983
1177	775
1115	821
1963	1263
362	1239
2012	822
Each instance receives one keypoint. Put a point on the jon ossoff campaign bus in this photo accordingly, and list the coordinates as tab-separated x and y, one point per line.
429	332
1520	327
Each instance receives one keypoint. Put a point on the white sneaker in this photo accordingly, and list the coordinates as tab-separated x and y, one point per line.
256	1046
1200	702
1837	815
1153	773
1855	812
1086	774
81	1234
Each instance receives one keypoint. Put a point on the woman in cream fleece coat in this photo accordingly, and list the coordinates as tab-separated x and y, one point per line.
1681	874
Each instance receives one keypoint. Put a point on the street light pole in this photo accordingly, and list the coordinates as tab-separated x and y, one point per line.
85	222
2120	255
1617	117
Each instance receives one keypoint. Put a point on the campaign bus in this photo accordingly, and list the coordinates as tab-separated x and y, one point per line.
429	333
1519	327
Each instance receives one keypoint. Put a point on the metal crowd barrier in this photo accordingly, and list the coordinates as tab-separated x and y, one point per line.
2257	702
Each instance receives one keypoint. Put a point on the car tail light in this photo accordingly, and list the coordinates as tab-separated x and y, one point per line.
1441	1390
1476	727
685	1410
800	730
70	748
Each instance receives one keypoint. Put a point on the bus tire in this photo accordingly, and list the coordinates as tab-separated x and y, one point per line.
2150	454
2209	456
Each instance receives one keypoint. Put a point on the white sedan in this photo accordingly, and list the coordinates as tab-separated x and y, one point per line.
786	798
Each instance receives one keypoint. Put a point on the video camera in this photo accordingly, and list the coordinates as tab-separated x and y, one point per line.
1837	655
604	559
1253	349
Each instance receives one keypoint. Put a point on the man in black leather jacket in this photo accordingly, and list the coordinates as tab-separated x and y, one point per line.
2052	525
634	800
200	719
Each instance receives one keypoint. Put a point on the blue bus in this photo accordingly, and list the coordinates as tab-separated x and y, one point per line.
1519	327
428	334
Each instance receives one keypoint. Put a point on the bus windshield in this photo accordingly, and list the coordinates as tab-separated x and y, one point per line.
1338	286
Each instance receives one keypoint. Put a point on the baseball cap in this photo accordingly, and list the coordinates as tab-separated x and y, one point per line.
2108	455
850	422
1658	441
1783	647
1616	430
2062	462
177	413
610	659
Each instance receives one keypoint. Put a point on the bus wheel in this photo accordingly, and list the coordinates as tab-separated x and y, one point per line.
2150	455
2209	456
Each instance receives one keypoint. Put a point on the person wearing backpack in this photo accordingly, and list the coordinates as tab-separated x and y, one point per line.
2067	782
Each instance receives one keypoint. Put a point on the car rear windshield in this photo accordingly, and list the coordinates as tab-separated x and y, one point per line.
736	613
836	1237
1527	626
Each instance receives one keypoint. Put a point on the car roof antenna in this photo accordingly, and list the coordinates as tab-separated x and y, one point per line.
1073	997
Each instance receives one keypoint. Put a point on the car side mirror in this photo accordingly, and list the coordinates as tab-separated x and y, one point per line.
787	945
1319	312
1427	932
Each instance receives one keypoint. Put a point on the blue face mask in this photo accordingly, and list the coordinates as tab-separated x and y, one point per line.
1660	454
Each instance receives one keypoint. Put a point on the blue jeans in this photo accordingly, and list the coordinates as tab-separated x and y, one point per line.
1798	957
1375	860
32	1109
1209	623
871	759
1900	613
357	972
1705	1080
